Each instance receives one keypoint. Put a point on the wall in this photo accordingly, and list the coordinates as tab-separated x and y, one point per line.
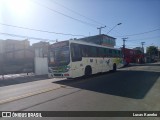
41	66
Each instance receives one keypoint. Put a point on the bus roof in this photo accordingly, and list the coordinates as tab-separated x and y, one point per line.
84	43
91	44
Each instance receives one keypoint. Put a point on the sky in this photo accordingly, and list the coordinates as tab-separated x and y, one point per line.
140	20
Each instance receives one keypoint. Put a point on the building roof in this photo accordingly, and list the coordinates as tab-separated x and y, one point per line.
98	36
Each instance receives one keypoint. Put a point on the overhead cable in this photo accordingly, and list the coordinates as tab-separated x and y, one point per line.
27	37
139	33
55	11
73	11
39	30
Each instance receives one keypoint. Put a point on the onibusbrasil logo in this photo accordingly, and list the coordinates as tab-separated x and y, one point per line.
21	114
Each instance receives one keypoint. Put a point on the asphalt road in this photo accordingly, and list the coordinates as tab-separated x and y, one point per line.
134	88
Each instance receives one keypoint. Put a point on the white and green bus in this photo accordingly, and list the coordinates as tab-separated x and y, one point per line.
71	59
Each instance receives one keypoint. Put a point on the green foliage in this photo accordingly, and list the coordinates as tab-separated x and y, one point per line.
152	50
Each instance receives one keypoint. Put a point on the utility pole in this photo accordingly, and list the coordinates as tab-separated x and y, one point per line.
158	53
100	29
124	40
142	43
143	49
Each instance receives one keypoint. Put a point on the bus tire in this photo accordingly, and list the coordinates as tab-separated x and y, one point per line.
88	71
114	67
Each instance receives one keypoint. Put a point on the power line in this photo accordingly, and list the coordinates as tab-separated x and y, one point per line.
71	10
39	30
139	33
133	42
28	37
134	45
84	22
146	38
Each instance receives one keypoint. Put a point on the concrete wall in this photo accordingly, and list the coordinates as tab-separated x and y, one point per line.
41	66
1	46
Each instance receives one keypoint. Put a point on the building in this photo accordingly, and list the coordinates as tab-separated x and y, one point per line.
15	55
41	58
2	46
101	39
16	44
41	49
15	50
139	48
159	54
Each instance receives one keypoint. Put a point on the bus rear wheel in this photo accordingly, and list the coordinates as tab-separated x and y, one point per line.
88	71
114	67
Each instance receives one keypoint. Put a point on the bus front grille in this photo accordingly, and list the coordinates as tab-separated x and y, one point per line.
58	75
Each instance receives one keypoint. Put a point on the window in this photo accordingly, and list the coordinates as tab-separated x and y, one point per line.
84	51
113	53
76	52
101	52
110	52
117	53
93	51
88	51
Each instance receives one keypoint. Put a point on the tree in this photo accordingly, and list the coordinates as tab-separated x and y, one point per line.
152	51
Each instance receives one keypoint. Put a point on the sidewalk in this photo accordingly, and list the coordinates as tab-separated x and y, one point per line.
144	64
11	76
20	78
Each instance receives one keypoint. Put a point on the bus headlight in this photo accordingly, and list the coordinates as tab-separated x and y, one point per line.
68	67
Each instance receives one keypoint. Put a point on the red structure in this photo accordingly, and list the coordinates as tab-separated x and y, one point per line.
132	56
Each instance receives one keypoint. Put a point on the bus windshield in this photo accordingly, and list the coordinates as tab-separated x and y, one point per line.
60	56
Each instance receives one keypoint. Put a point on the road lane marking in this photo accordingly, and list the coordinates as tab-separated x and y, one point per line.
11	99
28	95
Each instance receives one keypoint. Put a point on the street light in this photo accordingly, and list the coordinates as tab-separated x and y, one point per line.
114	27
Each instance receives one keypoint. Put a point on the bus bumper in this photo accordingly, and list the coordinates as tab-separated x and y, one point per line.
58	75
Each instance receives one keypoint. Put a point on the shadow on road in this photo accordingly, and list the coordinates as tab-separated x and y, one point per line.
21	79
131	84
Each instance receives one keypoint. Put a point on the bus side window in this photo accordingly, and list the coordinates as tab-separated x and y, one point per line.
104	52
76	52
107	52
100	52
110	52
84	50
92	51
115	53
119	53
